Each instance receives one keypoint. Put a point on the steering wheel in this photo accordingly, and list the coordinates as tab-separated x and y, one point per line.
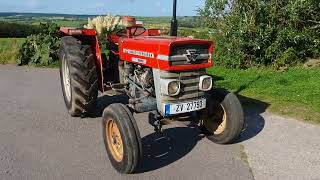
137	31
121	33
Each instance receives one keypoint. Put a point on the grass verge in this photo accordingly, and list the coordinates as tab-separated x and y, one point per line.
9	49
295	93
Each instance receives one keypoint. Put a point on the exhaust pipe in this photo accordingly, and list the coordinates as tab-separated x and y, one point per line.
174	21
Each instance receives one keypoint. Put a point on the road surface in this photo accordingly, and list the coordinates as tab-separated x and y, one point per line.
39	140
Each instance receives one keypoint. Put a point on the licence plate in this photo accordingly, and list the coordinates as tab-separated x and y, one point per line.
171	109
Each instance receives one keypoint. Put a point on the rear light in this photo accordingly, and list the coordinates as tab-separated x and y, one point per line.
75	31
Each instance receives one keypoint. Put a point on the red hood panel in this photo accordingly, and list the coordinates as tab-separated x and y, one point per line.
154	51
167	39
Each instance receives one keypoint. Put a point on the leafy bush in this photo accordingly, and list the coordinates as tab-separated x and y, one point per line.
263	32
41	49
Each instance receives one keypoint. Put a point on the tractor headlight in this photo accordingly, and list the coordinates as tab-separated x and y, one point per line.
205	83
170	87
173	87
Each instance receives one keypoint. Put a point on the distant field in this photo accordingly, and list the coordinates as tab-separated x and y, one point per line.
80	20
294	93
66	23
35	19
151	20
9	49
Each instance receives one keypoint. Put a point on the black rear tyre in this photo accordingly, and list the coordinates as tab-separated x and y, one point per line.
122	138
79	78
223	119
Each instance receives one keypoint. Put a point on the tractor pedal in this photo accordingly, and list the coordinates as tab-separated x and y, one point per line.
110	93
114	89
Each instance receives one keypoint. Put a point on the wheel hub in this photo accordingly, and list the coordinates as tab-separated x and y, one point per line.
66	79
114	139
216	121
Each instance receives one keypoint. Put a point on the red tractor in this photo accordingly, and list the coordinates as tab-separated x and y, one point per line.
165	75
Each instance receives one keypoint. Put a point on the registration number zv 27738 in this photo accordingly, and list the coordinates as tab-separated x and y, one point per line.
171	109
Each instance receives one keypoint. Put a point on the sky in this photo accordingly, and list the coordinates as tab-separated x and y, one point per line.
116	7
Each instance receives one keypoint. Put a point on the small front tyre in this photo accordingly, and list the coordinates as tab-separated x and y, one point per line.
122	138
223	119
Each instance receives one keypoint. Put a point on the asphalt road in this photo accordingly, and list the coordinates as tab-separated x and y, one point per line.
39	140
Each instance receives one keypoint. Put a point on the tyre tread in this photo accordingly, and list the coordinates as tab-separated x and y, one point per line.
235	115
130	137
84	79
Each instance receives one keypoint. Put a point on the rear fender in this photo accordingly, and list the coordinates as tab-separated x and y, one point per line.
88	36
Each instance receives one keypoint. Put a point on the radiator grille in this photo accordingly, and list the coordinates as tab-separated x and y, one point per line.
178	54
189	85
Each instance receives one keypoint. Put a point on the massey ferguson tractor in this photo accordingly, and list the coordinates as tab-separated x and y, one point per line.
163	75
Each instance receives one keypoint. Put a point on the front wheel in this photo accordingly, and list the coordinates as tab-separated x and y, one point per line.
223	119
122	138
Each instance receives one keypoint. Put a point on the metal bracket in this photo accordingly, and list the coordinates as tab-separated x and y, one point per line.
155	121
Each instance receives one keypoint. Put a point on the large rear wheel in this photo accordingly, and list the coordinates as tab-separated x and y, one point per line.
122	138
79	78
223	119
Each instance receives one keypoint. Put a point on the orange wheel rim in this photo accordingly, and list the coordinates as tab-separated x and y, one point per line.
114	139
222	126
216	121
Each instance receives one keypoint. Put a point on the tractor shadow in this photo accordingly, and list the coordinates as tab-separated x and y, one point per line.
162	149
254	122
104	101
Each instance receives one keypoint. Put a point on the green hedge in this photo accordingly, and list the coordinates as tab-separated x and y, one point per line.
14	30
263	32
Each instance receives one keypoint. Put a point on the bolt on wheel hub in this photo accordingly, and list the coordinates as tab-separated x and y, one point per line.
114	139
216	121
66	79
